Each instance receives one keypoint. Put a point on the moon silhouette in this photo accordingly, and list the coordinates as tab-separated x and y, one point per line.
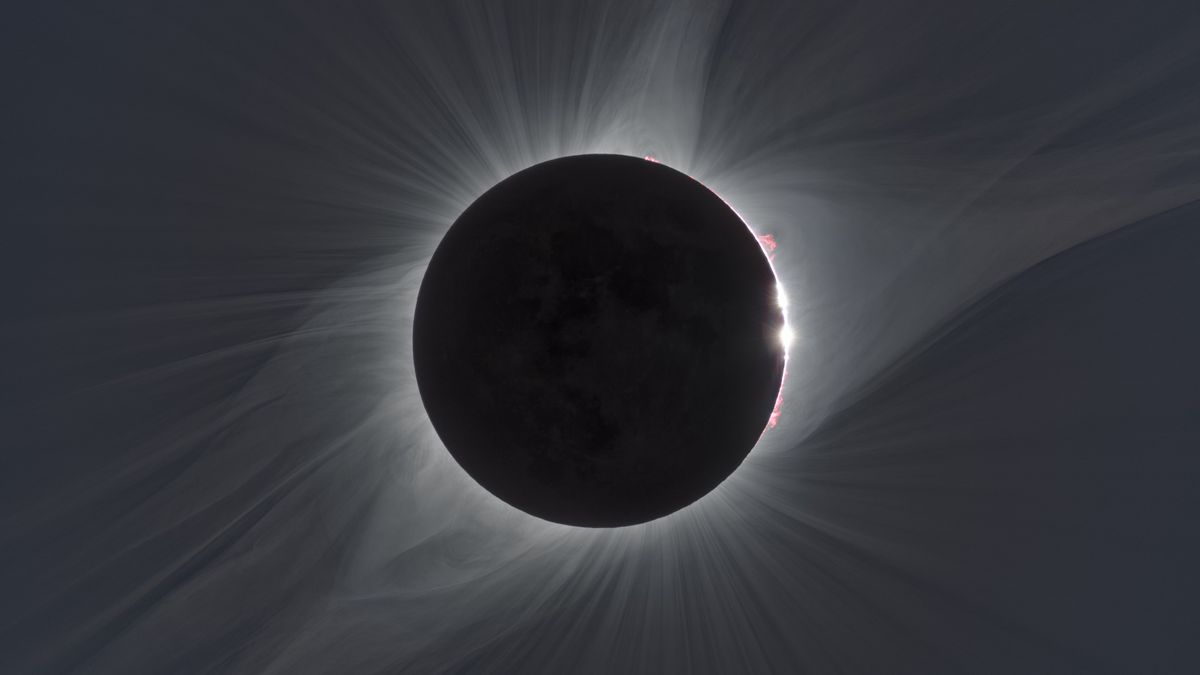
597	340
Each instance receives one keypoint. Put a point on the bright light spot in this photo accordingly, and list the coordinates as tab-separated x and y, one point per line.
781	296
652	158
786	336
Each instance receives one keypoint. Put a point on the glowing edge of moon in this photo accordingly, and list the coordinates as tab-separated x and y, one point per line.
786	335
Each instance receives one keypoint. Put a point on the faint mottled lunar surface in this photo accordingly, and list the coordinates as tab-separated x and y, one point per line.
597	340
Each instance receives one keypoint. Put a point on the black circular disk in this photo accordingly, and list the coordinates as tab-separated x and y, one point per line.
597	340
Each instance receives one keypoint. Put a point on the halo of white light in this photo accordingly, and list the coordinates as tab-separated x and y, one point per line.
840	330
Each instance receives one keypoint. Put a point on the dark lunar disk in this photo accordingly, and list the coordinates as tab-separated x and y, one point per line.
597	340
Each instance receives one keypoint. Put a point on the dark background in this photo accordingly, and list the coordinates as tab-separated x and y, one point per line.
216	217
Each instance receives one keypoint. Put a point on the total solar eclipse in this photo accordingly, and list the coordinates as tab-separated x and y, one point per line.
597	340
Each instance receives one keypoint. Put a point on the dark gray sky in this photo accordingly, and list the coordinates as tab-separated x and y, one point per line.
216	217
